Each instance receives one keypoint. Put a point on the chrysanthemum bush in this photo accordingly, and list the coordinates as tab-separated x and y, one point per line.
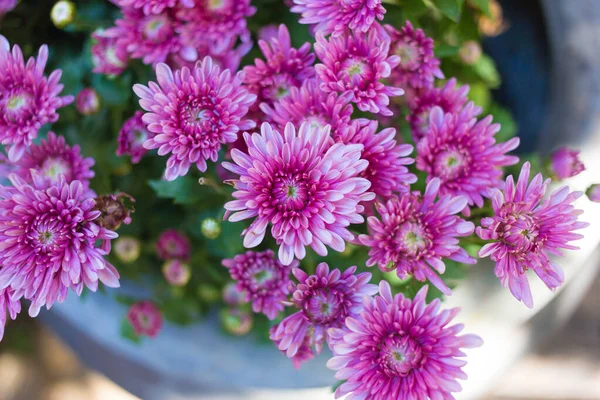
322	172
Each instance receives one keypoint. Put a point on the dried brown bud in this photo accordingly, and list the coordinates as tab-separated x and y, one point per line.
114	211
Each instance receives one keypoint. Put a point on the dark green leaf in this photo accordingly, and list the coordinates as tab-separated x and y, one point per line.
183	190
483	5
128	333
450	8
446	50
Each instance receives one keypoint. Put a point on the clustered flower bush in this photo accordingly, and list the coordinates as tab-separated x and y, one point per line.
320	171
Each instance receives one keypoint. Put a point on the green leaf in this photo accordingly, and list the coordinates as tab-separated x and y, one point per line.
183	190
446	50
483	5
450	8
128	333
485	68
508	126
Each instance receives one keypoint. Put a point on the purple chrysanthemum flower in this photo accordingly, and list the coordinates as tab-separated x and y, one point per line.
304	352
526	229
172	244
398	348
312	105
355	63
418	66
387	159
153	6
7	306
463	154
28	99
151	38
449	98
565	163
337	16
132	136
145	318
87	101
49	237
54	160
306	189
415	233
215	19
263	280
107	56
193	113
284	67
324	301
6	6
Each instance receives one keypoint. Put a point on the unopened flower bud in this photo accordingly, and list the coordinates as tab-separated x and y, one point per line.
593	193
63	13
176	272
211	228
87	102
209	293
127	249
236	322
470	52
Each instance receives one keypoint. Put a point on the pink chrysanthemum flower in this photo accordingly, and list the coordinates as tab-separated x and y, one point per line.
176	272
284	67
6	6
398	348
304	352
526	229
145	318
151	38
312	105
355	63
54	160
324	301
565	163
28	99
107	56
87	101
7	306
49	237
386	171
463	154
449	98
263	280
415	233
193	113
337	16
132	136
418	66
153	6
172	244
306	189
217	18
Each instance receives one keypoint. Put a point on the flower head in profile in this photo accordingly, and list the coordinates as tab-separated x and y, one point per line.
565	163
145	318
387	159
356	63
324	301
108	56
463	154
415	233
526	229
336	16
193	113
418	65
308	190
263	280
172	244
28	100
304	352
54	160
449	98
398	348
8	306
132	136
151	38
310	104
284	67
153	6
50	237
